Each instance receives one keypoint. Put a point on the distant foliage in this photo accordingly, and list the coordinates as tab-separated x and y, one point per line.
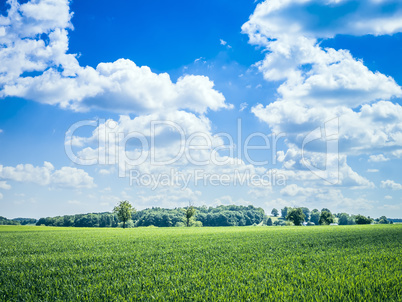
5	221
326	218
360	219
306	213
269	222
296	216
82	220
383	220
204	216
284	212
315	216
159	217
25	221
345	219
229	215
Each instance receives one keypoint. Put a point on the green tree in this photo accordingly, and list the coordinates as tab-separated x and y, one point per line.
269	222
189	212
275	212
383	220
343	219
360	219
326	218
296	216
315	216
124	211
284	212
306	212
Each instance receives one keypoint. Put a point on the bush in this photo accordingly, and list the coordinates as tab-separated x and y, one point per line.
197	224
179	224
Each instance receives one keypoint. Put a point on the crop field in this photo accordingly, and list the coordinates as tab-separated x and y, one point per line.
350	263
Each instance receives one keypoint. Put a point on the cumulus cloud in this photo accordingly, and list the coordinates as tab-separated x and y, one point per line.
319	84
319	168
390	184
171	149
323	19
34	38
66	177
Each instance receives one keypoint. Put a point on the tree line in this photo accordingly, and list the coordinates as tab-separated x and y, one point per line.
201	216
17	221
125	215
303	215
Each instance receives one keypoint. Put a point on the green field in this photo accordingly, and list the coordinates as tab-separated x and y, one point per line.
350	263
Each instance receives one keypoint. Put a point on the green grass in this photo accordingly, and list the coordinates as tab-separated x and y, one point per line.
351	263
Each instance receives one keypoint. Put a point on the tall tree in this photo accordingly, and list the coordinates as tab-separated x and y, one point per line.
189	212
315	216
275	212
296	216
306	212
343	219
326	218
269	222
284	211
124	211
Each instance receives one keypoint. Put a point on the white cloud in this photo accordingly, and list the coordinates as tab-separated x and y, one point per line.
321	84
388	197
323	19
105	171
376	126
378	158
4	185
293	190
390	184
1	131
72	178
391	207
66	177
121	86
243	106
1	196
319	168
373	170
168	197
224	43
340	203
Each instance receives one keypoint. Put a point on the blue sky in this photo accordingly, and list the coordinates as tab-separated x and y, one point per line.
273	73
